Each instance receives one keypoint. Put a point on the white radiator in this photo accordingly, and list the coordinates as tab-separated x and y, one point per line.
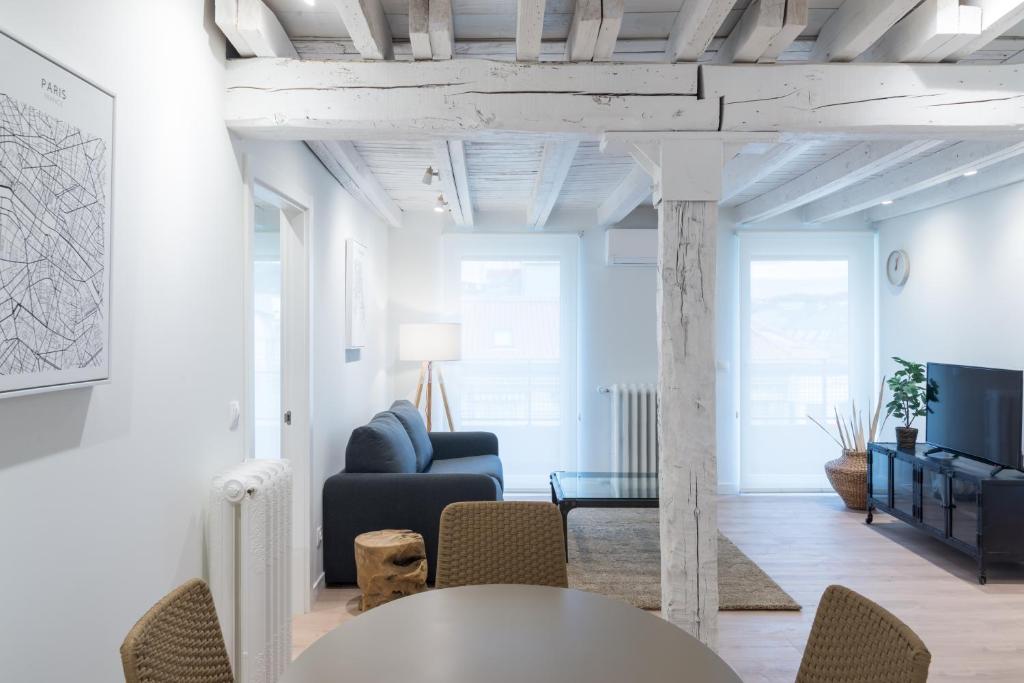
634	428
249	544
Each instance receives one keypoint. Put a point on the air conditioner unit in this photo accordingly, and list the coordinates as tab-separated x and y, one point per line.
631	247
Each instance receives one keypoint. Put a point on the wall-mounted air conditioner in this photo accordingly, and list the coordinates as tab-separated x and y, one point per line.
631	247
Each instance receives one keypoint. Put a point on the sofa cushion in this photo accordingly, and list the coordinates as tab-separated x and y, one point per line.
411	419
383	445
474	464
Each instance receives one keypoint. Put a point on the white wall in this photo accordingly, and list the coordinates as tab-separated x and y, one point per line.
963	300
349	386
102	490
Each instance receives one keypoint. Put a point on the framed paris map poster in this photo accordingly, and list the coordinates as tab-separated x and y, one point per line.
56	165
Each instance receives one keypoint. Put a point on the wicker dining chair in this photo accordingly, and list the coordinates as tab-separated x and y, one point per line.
854	640
503	542
178	641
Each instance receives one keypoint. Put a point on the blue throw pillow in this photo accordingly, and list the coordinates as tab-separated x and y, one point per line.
380	446
411	419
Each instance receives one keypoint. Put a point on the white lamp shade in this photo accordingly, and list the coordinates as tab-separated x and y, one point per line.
430	341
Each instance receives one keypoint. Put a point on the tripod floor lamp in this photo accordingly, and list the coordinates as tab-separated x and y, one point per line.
430	343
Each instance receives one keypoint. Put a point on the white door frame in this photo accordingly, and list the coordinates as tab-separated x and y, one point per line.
296	354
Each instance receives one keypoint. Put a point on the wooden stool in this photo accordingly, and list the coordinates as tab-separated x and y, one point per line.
389	564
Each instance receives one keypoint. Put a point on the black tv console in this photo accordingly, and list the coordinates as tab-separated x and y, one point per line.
969	505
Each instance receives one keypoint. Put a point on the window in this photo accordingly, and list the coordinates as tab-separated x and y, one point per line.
516	299
807	350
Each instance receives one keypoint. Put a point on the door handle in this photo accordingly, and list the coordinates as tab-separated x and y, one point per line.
287	417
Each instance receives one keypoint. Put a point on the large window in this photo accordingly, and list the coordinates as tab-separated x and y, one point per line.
807	350
516	299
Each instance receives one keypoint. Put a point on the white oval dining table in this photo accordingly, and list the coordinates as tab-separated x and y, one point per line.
508	634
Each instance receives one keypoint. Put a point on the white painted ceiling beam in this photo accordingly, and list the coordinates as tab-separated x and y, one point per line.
757	27
529	29
868	99
855	26
450	164
850	167
253	29
930	33
442	29
554	168
288	99
921	174
326	155
367	26
793	24
1000	175
997	17
583	30
745	170
629	194
694	27
612	12
355	166
419	29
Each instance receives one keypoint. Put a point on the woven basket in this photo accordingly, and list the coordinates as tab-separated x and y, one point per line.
848	475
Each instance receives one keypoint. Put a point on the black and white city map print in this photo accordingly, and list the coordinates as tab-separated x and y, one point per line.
55	193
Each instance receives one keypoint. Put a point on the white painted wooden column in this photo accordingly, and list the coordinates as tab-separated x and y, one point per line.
690	187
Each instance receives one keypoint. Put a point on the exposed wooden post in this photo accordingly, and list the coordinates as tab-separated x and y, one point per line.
687	225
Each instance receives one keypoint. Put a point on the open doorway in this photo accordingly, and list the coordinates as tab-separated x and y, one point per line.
278	423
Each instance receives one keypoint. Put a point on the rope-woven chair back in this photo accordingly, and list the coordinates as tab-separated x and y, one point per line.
854	640
503	542
178	641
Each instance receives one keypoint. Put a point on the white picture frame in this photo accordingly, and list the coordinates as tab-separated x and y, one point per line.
356	295
55	228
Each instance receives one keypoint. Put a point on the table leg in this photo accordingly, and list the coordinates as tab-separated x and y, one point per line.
564	508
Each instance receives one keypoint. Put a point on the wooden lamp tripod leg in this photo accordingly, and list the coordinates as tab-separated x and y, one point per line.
419	384
444	399
430	393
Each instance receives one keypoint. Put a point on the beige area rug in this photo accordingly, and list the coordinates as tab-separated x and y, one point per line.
615	552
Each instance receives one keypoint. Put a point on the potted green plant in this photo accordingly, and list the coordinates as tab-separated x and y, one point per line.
911	392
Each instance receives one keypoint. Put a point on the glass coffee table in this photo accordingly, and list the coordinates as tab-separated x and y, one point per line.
571	490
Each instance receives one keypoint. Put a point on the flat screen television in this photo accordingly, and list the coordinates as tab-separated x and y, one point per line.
977	412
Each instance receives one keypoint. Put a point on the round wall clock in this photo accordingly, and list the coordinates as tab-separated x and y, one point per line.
897	267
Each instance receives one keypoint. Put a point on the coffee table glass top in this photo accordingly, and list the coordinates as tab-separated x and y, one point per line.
604	486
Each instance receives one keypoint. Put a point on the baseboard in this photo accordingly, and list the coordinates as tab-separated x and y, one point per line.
318	587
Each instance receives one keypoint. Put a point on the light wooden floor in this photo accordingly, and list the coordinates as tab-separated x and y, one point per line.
808	542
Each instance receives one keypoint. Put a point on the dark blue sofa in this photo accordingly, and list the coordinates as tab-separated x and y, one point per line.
399	476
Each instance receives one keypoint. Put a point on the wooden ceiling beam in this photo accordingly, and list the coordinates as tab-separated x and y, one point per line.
930	33
367	26
253	29
419	29
554	169
852	166
757	27
529	29
629	194
583	30
302	100
793	24
743	171
997	17
612	12
442	29
1000	175
921	174
694	27
450	164
369	187
855	26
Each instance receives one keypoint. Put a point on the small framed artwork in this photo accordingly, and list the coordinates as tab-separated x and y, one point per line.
356	295
56	193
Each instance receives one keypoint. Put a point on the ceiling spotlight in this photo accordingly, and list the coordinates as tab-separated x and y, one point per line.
968	174
429	175
887	202
441	204
311	3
